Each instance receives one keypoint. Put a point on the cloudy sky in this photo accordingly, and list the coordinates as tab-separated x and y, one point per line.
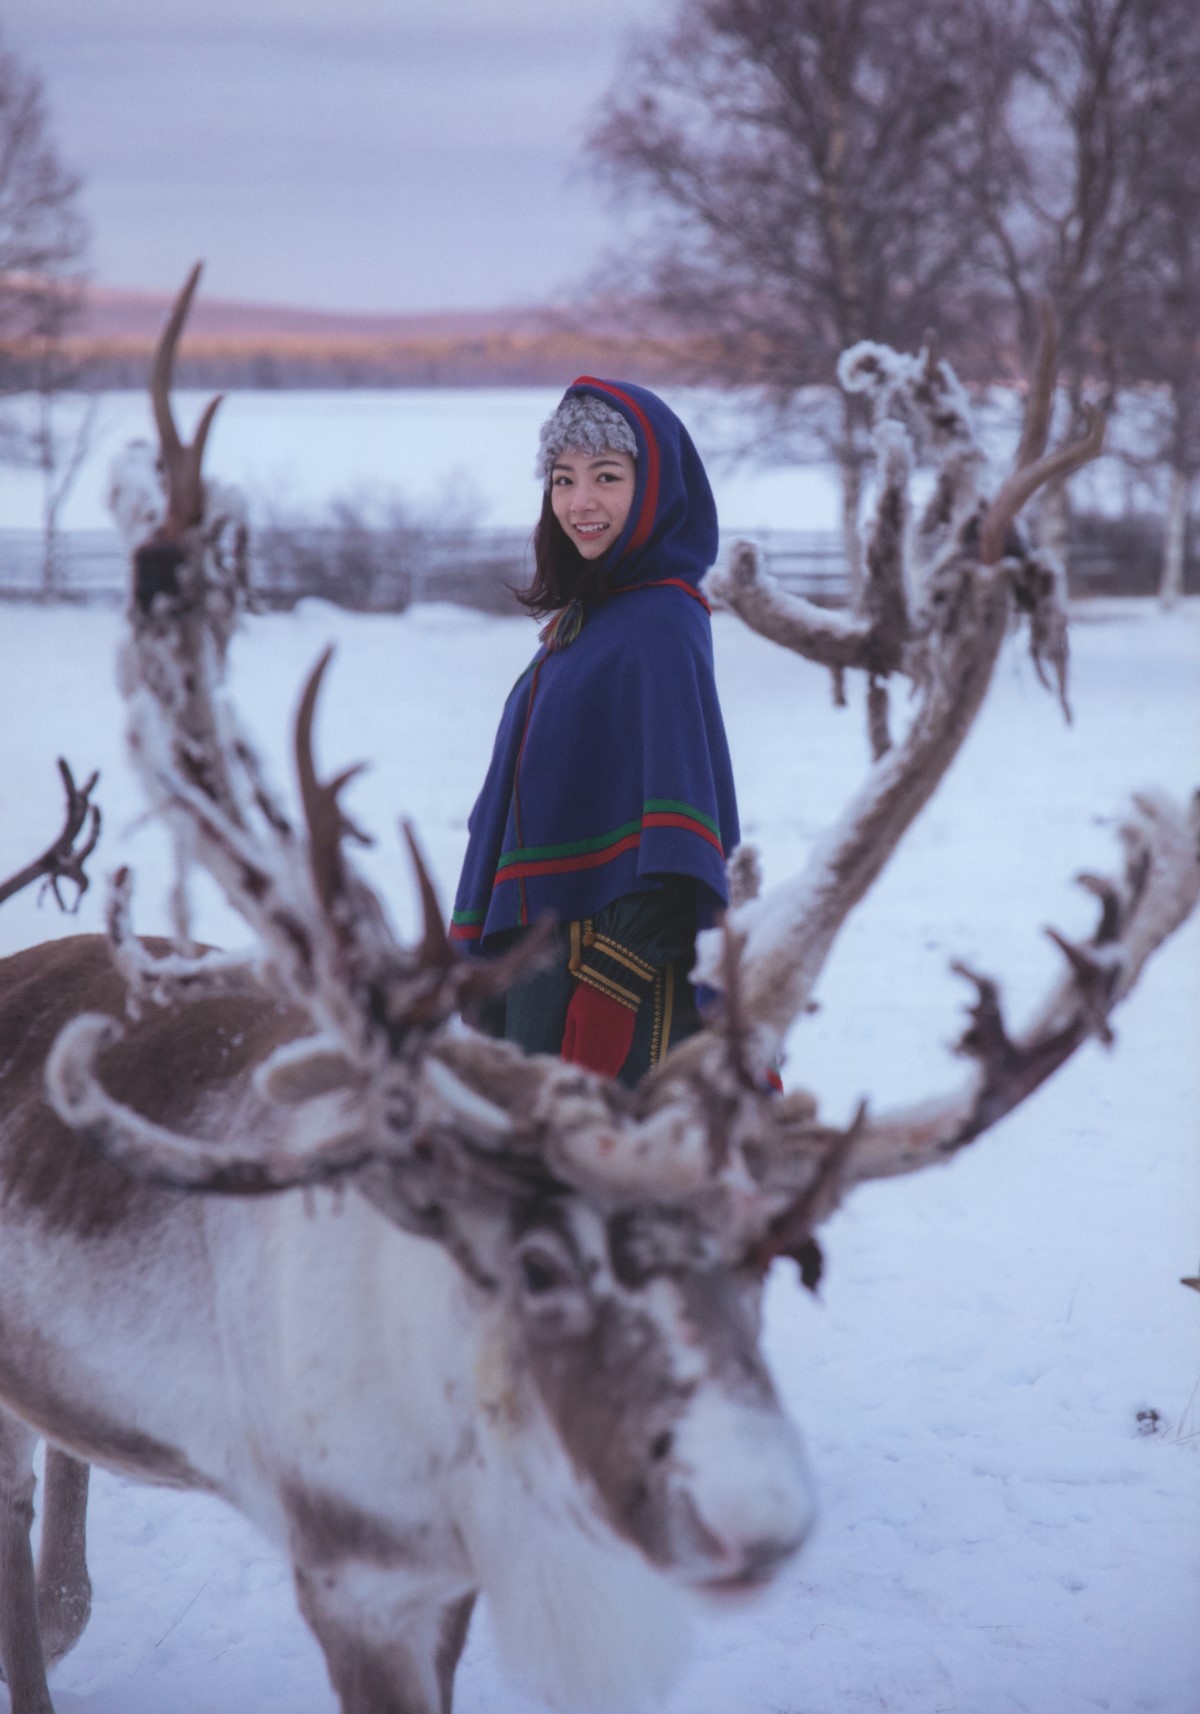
343	154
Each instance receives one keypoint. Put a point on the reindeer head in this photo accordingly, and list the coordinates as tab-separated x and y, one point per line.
640	1342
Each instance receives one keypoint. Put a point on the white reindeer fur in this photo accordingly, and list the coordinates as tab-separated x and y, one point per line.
135	492
345	1355
578	1614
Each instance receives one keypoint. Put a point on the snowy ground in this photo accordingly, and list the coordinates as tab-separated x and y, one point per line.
996	1534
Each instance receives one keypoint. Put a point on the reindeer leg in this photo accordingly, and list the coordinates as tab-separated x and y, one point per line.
455	1623
20	1639
402	1666
63	1587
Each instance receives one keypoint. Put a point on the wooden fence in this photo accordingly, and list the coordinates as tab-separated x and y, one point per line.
386	570
381	571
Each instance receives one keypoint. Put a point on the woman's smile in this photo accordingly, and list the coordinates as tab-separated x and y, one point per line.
591	498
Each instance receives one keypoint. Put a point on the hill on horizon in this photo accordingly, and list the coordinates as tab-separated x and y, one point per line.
118	312
229	343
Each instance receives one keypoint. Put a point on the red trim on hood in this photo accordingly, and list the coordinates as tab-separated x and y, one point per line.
646	517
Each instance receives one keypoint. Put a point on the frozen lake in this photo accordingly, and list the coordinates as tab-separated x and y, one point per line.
461	455
996	1536
455	455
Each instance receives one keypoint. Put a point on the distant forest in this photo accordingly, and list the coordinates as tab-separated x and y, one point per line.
451	360
234	345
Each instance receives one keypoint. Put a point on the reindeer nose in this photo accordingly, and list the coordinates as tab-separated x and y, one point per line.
759	1564
749	1491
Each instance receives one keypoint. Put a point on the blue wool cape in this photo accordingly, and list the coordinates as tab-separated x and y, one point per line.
610	767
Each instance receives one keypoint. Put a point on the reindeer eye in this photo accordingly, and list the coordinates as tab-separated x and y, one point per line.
539	1275
545	1264
555	1300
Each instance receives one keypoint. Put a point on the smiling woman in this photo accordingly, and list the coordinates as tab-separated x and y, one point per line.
609	804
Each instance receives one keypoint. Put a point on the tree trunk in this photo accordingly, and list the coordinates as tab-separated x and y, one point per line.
46	463
60	463
1175	539
849	452
51	558
851	473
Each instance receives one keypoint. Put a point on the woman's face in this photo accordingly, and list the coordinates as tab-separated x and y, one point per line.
591	497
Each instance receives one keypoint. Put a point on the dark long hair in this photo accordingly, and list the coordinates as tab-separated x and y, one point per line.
560	572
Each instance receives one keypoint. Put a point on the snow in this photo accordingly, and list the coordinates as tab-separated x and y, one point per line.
995	1535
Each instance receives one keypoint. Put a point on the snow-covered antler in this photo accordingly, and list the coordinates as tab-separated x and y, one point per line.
365	1005
1139	910
936	615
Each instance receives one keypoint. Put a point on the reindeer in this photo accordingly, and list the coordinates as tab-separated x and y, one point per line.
439	1317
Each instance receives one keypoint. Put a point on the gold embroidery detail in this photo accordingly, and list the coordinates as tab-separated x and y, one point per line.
656	1031
606	985
622	954
668	1007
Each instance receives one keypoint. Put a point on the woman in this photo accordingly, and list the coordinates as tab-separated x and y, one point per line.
609	802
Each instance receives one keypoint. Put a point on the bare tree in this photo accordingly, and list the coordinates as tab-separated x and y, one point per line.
1156	311
823	169
42	242
58	454
1072	191
1061	212
1176	355
812	168
42	235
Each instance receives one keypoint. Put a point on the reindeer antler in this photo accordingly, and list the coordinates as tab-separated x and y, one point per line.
1032	467
1025	481
948	647
62	860
1157	891
185	488
327	823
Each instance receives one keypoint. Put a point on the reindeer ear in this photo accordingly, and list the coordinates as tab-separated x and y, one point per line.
302	1070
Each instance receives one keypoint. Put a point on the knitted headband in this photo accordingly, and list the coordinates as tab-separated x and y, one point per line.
583	423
